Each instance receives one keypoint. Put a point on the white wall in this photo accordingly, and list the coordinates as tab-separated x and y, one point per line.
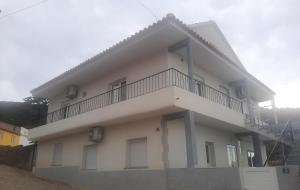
112	151
179	63
220	139
131	71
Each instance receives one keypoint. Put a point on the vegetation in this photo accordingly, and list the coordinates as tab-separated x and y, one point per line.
30	113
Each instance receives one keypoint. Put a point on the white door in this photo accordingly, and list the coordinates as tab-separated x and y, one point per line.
90	157
262	178
116	92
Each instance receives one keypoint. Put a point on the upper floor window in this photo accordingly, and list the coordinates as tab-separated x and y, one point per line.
118	91
137	153
200	85
57	154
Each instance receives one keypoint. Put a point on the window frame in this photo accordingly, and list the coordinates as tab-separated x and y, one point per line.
84	157
128	158
54	153
252	157
121	90
210	154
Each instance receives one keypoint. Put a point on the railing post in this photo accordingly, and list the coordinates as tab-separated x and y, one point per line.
52	117
242	107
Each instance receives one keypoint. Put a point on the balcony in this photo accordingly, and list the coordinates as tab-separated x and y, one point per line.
164	79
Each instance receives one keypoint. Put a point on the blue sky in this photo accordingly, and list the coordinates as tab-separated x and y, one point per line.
40	43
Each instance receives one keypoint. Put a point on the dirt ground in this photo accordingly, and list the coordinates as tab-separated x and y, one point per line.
16	179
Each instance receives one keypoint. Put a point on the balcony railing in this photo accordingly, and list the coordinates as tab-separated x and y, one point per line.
163	79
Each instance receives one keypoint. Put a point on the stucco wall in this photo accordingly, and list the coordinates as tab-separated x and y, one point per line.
179	63
220	139
131	72
111	151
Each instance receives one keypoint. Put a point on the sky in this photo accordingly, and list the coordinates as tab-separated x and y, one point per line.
42	42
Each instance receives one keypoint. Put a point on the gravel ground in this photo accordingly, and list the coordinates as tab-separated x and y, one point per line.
16	179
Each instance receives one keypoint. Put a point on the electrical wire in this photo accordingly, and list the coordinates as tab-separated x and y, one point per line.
22	9
147	8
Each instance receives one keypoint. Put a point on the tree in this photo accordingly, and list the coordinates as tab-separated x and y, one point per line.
36	100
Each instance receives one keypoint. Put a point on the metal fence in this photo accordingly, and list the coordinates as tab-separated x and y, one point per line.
163	79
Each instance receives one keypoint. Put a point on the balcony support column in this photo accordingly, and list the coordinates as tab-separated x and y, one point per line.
249	103
257	150
190	136
190	63
191	142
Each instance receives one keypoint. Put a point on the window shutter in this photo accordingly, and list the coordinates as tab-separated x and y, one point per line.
137	152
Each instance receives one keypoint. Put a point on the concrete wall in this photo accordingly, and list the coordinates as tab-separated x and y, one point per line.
288	180
171	179
111	151
109	180
204	179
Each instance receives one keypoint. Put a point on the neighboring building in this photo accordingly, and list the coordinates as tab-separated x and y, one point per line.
24	137
9	134
170	107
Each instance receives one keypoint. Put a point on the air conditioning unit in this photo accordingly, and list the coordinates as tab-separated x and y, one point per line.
72	91
96	134
241	92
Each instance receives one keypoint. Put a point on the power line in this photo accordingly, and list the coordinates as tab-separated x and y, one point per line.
147	8
23	9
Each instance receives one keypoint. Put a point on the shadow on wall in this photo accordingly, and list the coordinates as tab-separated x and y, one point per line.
18	156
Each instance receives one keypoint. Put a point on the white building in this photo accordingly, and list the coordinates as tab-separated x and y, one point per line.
171	107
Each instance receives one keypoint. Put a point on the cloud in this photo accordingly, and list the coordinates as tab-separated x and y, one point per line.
38	44
8	91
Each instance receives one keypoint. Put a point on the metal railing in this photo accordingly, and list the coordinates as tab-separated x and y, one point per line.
163	79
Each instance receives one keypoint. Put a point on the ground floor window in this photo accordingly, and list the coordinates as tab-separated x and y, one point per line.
231	153
90	157
137	153
251	157
210	154
57	154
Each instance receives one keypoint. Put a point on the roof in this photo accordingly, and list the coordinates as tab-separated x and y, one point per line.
10	128
214	35
168	19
